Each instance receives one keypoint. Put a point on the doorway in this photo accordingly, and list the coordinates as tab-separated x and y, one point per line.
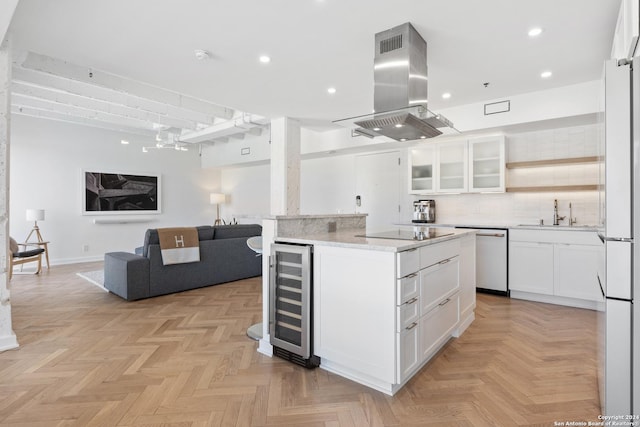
378	185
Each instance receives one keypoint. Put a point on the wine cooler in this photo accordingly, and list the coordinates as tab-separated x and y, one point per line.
290	305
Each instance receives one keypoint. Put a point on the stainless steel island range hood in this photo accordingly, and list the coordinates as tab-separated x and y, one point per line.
400	90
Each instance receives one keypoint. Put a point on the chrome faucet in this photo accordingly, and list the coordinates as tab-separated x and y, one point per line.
556	217
572	220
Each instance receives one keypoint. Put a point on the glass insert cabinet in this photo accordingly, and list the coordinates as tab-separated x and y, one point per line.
463	166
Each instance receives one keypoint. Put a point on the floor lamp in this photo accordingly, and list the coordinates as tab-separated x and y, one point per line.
217	199
35	215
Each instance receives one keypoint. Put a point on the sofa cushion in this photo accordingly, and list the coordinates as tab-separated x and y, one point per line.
238	230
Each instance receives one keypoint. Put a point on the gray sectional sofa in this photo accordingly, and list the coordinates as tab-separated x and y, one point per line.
224	257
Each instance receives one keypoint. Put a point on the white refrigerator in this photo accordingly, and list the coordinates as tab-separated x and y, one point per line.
619	373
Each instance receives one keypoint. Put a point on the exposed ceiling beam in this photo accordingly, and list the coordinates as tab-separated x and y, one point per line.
241	124
24	94
117	83
52	115
71	111
24	77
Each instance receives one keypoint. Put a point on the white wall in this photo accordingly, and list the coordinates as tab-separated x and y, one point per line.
328	184
248	190
47	159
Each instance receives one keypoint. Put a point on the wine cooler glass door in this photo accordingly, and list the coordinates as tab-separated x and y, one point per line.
289	312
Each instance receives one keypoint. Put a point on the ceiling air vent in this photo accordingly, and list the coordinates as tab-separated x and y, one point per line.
390	44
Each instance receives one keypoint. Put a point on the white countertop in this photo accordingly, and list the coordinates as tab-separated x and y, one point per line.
593	228
348	239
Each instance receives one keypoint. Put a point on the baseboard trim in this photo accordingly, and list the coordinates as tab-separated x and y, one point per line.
66	261
8	342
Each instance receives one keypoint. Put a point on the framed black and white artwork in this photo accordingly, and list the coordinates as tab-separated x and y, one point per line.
120	193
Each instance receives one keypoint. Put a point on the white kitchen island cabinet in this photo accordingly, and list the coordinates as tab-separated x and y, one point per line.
380	315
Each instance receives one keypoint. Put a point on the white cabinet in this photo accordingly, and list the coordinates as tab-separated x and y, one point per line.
486	164
409	352
438	282
576	271
555	263
452	167
422	178
437	325
531	267
379	316
476	165
467	278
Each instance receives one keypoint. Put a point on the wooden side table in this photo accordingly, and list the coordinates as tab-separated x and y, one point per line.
43	244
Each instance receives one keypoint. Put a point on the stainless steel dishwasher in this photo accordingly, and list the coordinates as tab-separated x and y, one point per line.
491	260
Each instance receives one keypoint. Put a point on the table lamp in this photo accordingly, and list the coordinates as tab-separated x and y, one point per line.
217	199
35	215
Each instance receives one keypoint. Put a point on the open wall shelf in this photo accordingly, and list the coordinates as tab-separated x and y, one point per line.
553	162
586	187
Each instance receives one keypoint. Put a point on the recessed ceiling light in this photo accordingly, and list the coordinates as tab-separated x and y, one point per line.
446	95
423	137
399	125
331	90
265	59
546	74
124	142
403	139
376	129
534	32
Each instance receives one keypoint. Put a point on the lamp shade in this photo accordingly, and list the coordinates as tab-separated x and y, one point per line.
35	214
217	198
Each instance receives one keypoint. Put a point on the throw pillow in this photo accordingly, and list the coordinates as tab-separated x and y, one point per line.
13	246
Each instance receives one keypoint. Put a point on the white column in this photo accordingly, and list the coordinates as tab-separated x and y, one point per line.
7	337
285	166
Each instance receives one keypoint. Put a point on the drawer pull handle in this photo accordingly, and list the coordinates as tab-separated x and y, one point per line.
411	326
411	276
445	261
490	234
444	302
412	300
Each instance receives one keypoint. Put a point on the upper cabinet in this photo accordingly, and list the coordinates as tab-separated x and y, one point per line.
486	164
422	164
476	165
452	167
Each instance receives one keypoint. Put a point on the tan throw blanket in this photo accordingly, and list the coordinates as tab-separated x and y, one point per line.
179	245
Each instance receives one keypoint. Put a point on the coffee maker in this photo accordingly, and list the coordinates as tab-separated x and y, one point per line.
424	211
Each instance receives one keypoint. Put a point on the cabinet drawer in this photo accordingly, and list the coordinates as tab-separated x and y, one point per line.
436	326
408	262
433	254
555	236
408	315
408	353
438	282
408	287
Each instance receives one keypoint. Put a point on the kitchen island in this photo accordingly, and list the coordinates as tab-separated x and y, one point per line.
383	307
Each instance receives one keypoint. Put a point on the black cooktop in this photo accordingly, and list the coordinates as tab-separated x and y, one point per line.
423	233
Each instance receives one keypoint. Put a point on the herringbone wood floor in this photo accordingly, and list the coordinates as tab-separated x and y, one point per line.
88	358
